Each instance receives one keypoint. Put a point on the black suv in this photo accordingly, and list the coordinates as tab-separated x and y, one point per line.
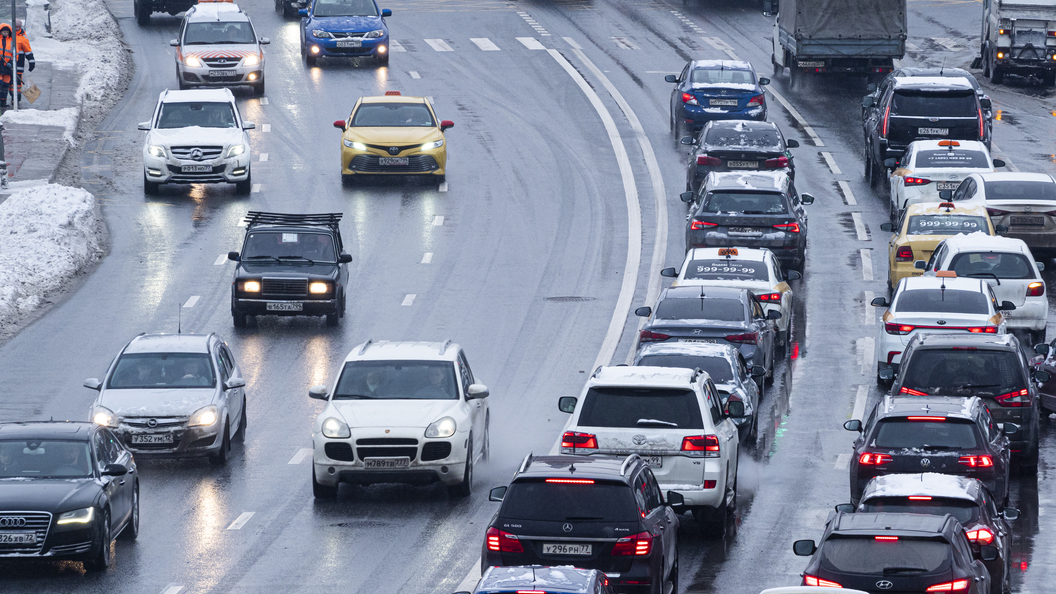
934	434
737	145
933	71
290	265
905	109
595	512
992	367
755	210
895	553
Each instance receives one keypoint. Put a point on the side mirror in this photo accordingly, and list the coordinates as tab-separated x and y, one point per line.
806	198
763	81
773	314
1007	306
643	312
1040	266
880	301
946	195
868	101
1001	229
687	140
891	163
986	103
1010	513
671	78
248	126
920	264
143	126
669	272
845	508
318	392
385	12
889	227
735	409
804	548
174	42
344	258
233	256
675	499
1042	376
1009	429
445	124
302	12
114	470
886	374
758	371
793	275
339	124
686	196
1040	348
235	382
93	383
999	163
988	553
567	404
264	41
871	87
853	425
497	493
475	391
791	143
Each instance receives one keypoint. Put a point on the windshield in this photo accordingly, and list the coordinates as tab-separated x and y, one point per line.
206	115
162	370
725	310
743	136
963	372
329	8
277	245
45	459
717	367
990	264
960	104
945	225
952	158
548	502
745	202
965	511
656	408
1019	190
942	301
722	76
389	115
204	33
397	380
723	269
900	433
884	557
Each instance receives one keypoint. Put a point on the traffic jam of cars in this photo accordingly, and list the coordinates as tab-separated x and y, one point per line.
961	358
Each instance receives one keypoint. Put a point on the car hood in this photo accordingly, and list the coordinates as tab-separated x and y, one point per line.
291	269
157	402
392	135
346	24
52	495
393	413
228	50
194	135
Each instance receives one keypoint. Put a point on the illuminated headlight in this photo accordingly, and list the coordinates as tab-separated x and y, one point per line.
104	416
433	145
205	416
444	427
321	34
77	516
315	49
155	150
236	150
374	34
1000	55
335	428
192	61
359	146
251	286
318	288
252	60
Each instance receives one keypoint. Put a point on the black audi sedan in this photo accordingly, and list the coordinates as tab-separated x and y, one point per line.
66	490
737	145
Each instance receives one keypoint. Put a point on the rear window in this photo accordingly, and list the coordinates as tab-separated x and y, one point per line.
727	270
942	301
963	372
555	502
965	511
641	407
934	105
945	225
898	433
1020	190
904	556
744	137
745	203
723	310
721	76
954	158
717	367
990	264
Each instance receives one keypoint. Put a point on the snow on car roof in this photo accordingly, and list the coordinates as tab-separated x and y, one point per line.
963	145
927	483
169	343
664	376
935	208
386	350
1015	176
963	283
216	11
935	82
197	95
724	64
980	242
564	578
759	180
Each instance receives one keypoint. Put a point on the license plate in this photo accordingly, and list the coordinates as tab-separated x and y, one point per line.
17	538
711	340
387	463
152	438
743	164
811	64
393	161
285	307
230	73
934	131
350	43
196	169
940	186
654	461
745	231
566	549
1028	220
723	102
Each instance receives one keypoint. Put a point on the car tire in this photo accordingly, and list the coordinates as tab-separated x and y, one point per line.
244	187
986	62
347	180
131	529
382	60
221	456
279	5
258	89
239	319
150	188
286	11
142	14
242	422
99	558
440	179
333	319
310	60
1028	464
322	491
464	488
997	76
672	578
1036	337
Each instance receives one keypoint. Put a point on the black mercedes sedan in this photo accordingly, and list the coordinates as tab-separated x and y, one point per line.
737	145
66	490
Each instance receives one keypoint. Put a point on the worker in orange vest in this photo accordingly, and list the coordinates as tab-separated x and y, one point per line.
8	58
25	53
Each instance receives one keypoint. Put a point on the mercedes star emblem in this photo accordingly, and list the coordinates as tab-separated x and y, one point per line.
196	154
567	527
884	585
638	439
12	522
394	150
925	462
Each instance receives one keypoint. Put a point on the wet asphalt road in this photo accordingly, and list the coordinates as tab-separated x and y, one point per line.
526	271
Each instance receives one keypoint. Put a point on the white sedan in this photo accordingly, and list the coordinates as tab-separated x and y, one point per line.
931	166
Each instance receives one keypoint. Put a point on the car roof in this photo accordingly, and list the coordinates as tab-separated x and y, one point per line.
963	283
391	350
690	349
933	83
75	430
1000	176
598	467
537	577
936	208
169	343
867	524
931	484
957	407
935	72
694	292
721	64
216	11
751	124
392	99
197	96
1003	341
758	180
622	375
982	242
752	254
963	145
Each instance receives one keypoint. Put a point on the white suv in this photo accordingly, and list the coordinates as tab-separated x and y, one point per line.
218	47
196	137
400	412
673	419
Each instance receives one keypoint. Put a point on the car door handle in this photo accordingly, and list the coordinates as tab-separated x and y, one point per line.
122	482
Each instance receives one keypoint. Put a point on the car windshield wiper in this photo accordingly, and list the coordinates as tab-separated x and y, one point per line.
986	274
753	212
937	448
296	258
655	423
896	570
260	258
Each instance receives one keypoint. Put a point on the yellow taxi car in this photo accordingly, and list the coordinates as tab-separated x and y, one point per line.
393	135
921	227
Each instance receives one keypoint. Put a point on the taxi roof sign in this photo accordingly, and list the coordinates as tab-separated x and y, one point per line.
946	274
728	252
389	93
948	206
949	143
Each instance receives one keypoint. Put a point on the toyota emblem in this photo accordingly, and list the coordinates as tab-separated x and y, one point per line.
884	585
567	527
925	462
152	423
638	439
196	154
12	522
394	150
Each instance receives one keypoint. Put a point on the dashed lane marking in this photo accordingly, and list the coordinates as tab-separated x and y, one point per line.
442	187
414	74
843	461
439	45
427	258
721	46
573	43
859	226
469	582
263	157
408	300
172	589
869	315
696	29
300	456
796	115
848	195
831	163
867	350
395	47
438	220
484	44
624	43
859	402
531	43
220	260
263	100
867	264
240	521
255	189
265	127
190	302
533	23
1008	162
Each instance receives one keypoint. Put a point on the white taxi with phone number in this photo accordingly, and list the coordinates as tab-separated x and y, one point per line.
931	166
754	269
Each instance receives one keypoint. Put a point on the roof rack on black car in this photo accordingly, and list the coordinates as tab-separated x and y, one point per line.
328	219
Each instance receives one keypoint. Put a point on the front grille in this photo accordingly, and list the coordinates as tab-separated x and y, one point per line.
177	169
386	147
222	62
144	422
339	451
343	35
208	152
384	452
387	441
70	549
436	450
349	50
284	286
415	164
222	79
37	522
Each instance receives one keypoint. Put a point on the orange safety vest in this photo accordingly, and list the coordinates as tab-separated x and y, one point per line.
7	53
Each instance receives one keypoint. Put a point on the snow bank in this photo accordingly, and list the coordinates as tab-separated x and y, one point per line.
65	118
48	234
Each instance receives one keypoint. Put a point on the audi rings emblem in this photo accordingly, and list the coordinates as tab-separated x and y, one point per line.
152	423
884	585
394	150
12	522
925	462
567	527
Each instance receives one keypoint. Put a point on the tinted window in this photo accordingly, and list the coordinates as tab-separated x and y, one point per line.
744	136
723	76
269	245
1002	265
964	511
725	310
954	158
723	269
393	115
934	105
45	458
717	367
556	502
868	555
168	370
206	115
944	301
640	407
345	8
744	202
1019	190
963	372
945	225
933	435
218	32
397	380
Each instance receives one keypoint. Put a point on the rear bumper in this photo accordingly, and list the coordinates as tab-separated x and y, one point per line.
1032	315
309	307
696	116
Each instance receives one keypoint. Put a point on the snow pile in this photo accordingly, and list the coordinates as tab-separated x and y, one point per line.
48	234
65	118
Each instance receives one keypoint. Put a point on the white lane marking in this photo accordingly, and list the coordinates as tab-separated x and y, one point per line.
172	589
442	187
430	99
469	583
190	302
867	353
408	300
720	45
395	47
300	456
1008	162
414	74
624	43
859	402
263	100
859	226
484	44
869	317
573	43
831	163
263	157
427	258
848	195
947	43
912	47
796	115
843	461
531	43
867	263
265	127
255	189
220	260
240	521
439	45
634	217
438	220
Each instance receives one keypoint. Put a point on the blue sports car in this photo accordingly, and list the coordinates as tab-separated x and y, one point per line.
715	90
344	28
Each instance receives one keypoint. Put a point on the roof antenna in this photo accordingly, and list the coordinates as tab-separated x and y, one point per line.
179	319
943	66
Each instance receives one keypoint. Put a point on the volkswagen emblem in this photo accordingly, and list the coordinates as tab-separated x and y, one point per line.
12	522
394	150
638	439
925	462
152	423
567	527
941	322
884	585
196	154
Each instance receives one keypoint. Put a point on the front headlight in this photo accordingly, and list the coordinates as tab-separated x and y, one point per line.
444	427
205	416
156	150
359	146
236	150
321	34
77	516
252	60
374	34
433	145
336	428
192	61
318	288
251	286
104	416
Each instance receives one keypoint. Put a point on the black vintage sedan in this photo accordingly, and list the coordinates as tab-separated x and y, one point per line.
66	490
737	145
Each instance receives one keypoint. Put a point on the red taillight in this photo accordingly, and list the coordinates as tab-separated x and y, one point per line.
915	181
976	461
778	162
788	227
983	330
689	99
874	459
920	497
700	225
981	129
756	101
647	336
574	439
981	536
640	544
912	392
1015	398
709	444
563	481
1035	289
812	580
928	419
904	254
892	328
710	484
769	297
886	538
746	338
887	116
706	160
503	541
954	586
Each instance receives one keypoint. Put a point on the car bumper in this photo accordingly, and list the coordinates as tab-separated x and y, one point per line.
232	76
1032	315
1041	238
308	307
696	116
345	464
327	48
357	162
187	441
53	541
164	170
901	270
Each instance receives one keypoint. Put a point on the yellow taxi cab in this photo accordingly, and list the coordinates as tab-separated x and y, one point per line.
393	135
921	227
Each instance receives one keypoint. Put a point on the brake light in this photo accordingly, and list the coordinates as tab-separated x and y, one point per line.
1035	289
904	254
954	586
700	225
562	481
886	538
928	419
893	328
771	297
915	181
887	116
1014	398
996	212
868	459
647	336
981	536
777	162
639	545
920	497
503	541
976	461
788	227
912	392
746	338
574	439
707	160
811	580
983	330
689	99
756	101
980	110
709	444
